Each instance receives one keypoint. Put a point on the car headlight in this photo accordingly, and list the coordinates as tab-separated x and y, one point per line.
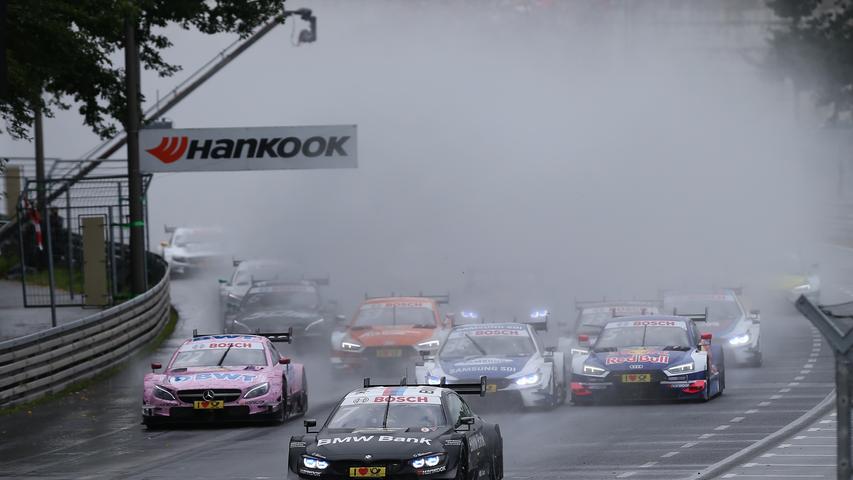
350	346
579	351
430	460
433	380
314	462
739	340
802	288
163	393
429	344
527	380
594	371
258	390
679	369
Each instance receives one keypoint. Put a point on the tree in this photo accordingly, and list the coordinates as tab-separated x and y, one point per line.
815	49
62	50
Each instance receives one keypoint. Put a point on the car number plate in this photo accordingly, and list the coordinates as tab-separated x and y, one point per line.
367	472
636	378
491	388
208	405
389	353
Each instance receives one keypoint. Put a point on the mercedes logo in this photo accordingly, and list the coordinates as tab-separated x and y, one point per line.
209	395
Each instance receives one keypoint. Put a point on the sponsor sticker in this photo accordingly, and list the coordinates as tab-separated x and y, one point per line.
222	344
397	304
410	395
647	323
372	438
236	377
662	358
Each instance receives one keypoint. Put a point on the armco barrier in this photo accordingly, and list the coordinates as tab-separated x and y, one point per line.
47	362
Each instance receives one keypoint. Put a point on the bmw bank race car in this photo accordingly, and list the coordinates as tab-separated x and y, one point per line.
649	357
737	329
225	377
519	369
406	431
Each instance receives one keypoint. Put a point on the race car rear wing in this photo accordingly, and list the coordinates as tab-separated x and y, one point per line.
460	388
284	337
439	299
696	317
604	303
539	320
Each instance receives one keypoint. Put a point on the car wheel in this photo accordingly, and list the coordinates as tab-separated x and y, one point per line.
303	397
561	399
706	393
757	360
462	469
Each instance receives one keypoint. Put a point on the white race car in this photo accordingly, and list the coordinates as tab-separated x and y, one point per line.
510	355
232	291
190	249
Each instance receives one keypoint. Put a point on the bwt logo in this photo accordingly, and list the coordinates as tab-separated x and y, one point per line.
171	149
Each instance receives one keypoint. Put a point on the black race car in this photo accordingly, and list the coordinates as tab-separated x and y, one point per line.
402	431
276	305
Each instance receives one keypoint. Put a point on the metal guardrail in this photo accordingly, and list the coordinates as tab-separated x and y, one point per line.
49	361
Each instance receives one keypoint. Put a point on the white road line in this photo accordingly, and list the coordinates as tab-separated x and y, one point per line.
793	384
763	404
808	365
775	397
669	454
737	419
648	464
804	372
689	444
626	475
706	436
799	377
750	411
721	427
785	390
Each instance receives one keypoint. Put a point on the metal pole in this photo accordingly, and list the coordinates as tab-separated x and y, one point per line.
137	222
69	261
42	205
50	274
122	265
21	248
112	254
842	404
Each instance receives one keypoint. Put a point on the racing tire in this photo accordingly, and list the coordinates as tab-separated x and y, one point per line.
462	469
280	417
303	396
756	361
706	393
564	390
498	457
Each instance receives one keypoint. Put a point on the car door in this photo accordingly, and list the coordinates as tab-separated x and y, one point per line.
474	435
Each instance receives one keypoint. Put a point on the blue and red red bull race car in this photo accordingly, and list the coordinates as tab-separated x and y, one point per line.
646	358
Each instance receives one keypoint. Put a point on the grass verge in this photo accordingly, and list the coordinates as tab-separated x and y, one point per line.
77	387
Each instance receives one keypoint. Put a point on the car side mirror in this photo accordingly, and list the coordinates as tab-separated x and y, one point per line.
755	316
156	366
284	361
309	424
467	421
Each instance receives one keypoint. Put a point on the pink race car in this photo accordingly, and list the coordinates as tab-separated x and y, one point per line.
226	377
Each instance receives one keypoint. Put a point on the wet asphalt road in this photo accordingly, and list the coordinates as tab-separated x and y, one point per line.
97	434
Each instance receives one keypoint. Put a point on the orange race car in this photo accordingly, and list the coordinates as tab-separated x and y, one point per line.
388	333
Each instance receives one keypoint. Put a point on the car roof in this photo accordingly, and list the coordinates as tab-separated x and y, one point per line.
649	318
492	326
410	394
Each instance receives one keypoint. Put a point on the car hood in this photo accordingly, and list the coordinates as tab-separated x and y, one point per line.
473	367
651	358
279	319
391	442
216	377
388	336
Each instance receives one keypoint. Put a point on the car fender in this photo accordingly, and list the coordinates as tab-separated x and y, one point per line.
293	372
577	363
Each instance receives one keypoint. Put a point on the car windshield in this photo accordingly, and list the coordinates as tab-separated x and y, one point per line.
258	302
222	357
641	336
464	344
719	309
187	237
371	315
400	415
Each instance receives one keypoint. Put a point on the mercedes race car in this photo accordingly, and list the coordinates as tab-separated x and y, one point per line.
274	306
520	370
189	250
592	315
405	432
649	357
737	328
388	333
225	377
247	272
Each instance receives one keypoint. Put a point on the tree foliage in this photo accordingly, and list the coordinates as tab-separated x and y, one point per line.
815	49
59	51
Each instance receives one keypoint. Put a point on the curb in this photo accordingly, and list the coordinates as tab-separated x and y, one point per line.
767	442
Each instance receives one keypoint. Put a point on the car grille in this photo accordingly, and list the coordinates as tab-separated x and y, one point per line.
189	413
226	394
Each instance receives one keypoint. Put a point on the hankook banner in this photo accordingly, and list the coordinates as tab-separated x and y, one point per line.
256	148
